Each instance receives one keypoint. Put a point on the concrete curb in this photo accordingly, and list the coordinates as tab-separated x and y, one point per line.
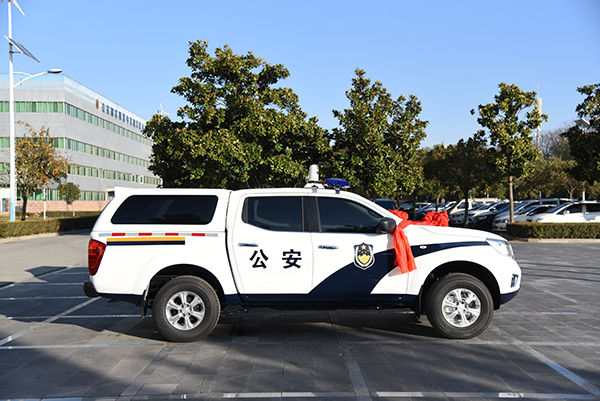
559	240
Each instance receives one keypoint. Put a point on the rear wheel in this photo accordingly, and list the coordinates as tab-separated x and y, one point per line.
459	306
186	309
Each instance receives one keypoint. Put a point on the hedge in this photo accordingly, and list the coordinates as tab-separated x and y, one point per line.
553	230
30	227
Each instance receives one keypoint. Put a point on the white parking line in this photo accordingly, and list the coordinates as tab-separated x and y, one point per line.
572	300
310	394
581	382
45	322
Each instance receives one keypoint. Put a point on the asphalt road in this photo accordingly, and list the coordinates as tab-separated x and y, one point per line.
56	344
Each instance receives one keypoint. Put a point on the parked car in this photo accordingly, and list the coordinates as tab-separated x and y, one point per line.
459	207
459	217
532	210
386	204
431	208
575	212
484	220
494	208
499	223
406	206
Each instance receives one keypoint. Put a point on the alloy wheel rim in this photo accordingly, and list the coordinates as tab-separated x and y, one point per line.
461	307
185	310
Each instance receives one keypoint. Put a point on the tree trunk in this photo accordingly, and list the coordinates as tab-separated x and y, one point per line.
511	207
466	194
24	208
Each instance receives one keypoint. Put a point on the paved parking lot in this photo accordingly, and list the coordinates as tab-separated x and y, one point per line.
57	344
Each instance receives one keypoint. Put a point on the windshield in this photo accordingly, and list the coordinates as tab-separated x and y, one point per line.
557	208
528	209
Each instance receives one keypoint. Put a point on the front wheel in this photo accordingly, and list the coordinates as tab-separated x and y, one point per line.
186	309
459	306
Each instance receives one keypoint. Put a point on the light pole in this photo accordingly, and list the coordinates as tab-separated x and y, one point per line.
583	124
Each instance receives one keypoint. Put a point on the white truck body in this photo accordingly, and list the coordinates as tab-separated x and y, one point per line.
283	248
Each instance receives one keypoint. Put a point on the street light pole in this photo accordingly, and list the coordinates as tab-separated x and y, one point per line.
583	124
11	122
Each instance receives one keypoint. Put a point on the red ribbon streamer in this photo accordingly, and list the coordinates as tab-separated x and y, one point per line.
404	257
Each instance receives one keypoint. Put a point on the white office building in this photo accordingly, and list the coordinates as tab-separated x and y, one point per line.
102	139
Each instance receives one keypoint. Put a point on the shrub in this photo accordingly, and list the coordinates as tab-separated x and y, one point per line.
553	230
30	227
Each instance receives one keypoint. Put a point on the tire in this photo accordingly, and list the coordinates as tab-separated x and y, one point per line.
459	306
186	309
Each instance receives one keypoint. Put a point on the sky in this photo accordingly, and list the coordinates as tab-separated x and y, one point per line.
452	55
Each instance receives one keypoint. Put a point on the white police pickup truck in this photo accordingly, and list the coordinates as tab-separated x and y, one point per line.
189	253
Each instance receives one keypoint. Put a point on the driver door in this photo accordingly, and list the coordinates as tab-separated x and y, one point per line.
352	261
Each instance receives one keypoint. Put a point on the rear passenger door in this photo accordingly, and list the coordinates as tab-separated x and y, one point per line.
272	251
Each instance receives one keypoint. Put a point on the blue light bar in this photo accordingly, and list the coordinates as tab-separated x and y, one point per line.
336	183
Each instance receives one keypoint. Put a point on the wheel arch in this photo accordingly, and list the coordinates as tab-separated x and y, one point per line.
472	269
168	273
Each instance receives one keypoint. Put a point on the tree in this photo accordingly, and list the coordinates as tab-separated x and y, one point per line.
466	165
438	181
512	153
377	139
551	178
69	192
37	164
238	129
553	144
584	142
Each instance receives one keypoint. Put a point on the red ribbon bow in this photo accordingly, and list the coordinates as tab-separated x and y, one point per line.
404	257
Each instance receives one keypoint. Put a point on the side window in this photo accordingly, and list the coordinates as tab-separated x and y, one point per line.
592	207
166	209
276	213
574	209
342	215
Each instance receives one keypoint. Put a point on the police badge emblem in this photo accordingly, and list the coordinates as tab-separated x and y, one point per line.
363	256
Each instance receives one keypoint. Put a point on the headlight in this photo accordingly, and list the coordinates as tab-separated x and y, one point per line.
502	247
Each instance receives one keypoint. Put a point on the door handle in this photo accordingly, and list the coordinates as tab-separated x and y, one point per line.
247	244
328	247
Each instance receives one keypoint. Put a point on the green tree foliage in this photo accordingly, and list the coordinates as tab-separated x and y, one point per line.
466	166
551	178
438	181
69	192
584	142
512	153
377	140
37	164
239	129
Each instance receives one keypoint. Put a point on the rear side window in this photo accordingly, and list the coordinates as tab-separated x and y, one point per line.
166	209
592	207
279	213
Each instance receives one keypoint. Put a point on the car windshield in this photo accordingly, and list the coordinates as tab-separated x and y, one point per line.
528	209
557	208
539	209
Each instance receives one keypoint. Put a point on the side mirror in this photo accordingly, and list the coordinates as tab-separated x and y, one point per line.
386	225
